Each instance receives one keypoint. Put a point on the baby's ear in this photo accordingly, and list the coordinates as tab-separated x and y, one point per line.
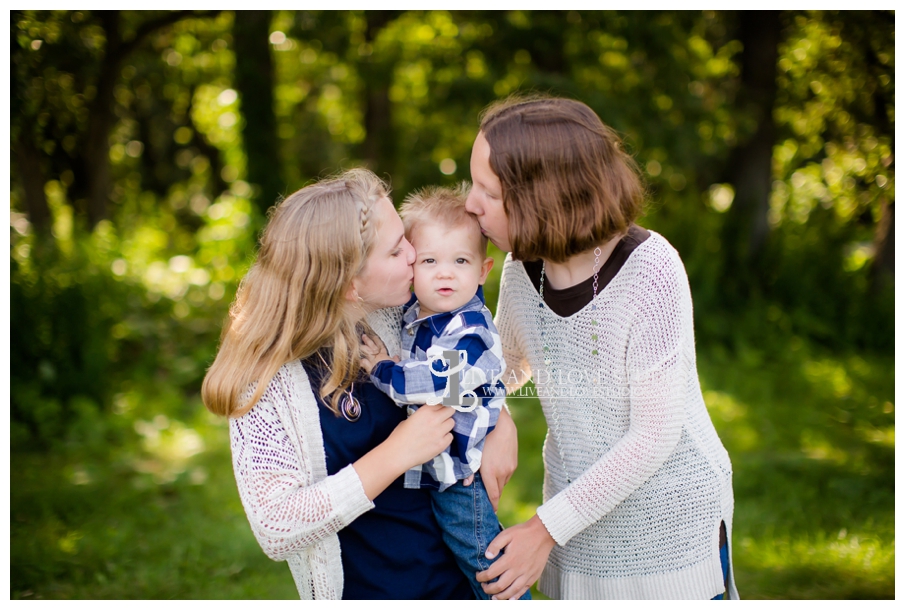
486	266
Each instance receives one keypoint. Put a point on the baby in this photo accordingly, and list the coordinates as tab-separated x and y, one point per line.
451	353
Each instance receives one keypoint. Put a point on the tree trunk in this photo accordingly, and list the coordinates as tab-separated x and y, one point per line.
750	172
100	120
254	83
547	41
379	147
884	264
101	117
28	164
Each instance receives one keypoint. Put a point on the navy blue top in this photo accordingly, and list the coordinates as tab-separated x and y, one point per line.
395	550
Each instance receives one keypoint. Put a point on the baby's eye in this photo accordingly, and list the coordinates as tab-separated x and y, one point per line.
461	261
429	261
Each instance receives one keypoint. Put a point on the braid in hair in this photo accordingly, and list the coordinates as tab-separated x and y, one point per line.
364	214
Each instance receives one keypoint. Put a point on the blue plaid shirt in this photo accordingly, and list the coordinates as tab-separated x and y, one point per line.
412	381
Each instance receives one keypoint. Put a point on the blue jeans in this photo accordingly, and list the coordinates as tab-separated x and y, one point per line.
469	524
724	562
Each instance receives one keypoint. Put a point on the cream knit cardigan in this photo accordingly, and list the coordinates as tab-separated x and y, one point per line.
651	480
293	507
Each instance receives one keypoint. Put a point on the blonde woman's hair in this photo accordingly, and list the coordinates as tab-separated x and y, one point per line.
440	205
293	300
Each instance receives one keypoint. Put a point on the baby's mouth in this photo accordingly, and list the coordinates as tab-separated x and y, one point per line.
445	291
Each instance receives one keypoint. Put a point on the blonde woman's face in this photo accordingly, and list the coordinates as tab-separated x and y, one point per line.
387	276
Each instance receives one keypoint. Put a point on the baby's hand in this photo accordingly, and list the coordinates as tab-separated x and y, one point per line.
372	353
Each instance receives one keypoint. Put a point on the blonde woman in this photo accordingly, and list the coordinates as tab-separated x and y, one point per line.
318	451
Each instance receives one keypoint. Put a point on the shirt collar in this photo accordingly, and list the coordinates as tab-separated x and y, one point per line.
412	310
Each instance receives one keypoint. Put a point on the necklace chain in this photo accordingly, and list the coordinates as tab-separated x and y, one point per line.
548	359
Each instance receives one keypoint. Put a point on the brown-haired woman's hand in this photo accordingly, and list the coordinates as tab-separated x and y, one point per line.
373	352
527	546
500	457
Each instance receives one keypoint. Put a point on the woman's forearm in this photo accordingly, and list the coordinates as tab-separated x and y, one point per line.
379	467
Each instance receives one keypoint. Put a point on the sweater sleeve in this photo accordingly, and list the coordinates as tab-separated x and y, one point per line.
659	358
287	511
518	370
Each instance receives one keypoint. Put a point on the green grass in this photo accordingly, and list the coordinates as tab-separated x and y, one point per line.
811	437
127	529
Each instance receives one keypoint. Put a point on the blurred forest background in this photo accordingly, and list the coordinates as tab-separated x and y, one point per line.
148	145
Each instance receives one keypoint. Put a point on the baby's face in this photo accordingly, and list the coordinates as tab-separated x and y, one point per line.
449	266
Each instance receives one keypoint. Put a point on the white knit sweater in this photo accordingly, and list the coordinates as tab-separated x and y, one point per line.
651	480
293	507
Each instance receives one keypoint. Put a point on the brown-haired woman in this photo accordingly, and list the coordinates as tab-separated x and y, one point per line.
637	487
318	451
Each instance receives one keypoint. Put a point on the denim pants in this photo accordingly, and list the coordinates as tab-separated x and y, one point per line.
724	562
469	524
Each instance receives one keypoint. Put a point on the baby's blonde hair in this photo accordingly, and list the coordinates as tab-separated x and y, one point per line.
293	300
440	205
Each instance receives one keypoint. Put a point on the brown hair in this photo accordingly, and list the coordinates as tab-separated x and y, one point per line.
568	184
293	300
441	205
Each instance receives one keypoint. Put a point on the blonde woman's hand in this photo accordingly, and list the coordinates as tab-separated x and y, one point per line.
373	352
418	439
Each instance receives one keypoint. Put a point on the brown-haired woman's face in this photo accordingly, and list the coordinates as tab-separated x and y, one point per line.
486	197
387	276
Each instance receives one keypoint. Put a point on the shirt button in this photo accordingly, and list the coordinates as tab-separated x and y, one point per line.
411	331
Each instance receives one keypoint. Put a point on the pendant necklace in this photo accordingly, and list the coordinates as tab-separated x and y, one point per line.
548	359
349	406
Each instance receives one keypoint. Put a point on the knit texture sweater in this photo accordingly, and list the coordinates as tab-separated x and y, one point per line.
293	507
636	479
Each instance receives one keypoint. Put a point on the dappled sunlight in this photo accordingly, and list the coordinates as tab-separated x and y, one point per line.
818	448
168	446
828	375
815	493
884	437
730	419
842	564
